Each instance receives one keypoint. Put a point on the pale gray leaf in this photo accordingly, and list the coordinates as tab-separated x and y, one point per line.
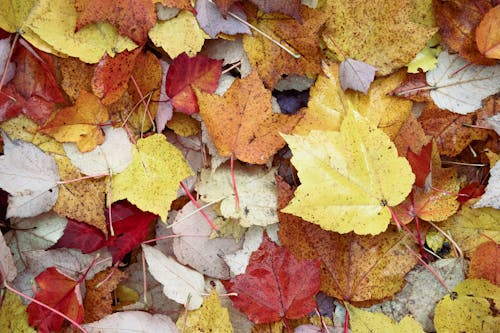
212	21
133	322
491	196
494	121
356	75
30	176
459	86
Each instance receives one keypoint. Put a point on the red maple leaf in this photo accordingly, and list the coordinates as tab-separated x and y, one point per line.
185	73
420	163
60	292
470	191
275	285
130	225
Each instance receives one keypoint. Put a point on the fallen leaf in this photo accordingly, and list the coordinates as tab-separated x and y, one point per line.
130	228
271	61
369	322
181	284
421	163
238	261
290	8
422	292
484	263
487	35
256	190
136	321
13	316
151	181
491	196
98	293
111	75
50	26
211	317
212	22
30	176
381	33
132	18
186	73
494	121
363	175
275	286
414	87
467	226
112	156
178	35
60	292
81	200
449	129
426	59
411	136
471	307
224	5
459	86
356	75
80	123
76	76
8	271
353	268
194	248
457	21
242	122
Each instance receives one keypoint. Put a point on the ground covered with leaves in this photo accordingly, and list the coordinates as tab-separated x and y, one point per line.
249	166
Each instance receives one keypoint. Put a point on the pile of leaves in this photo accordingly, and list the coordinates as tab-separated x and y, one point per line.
249	166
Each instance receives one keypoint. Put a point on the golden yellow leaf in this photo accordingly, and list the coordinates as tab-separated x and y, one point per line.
50	26
79	123
178	35
211	317
184	125
348	178
372	322
328	104
82	200
472	307
380	33
152	179
13	315
19	128
467	226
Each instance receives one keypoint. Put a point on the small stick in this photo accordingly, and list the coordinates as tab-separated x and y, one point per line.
466	164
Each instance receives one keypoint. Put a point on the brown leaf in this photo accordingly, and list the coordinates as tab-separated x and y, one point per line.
354	268
99	298
411	136
488	34
414	88
457	21
82	200
133	18
450	130
76	76
272	61
242	122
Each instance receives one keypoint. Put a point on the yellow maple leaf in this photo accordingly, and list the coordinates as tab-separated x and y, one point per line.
152	179
380	32
50	26
178	35
348	178
328	103
372	322
79	123
472	307
211	317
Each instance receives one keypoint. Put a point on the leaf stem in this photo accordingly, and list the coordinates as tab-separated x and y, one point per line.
79	179
43	305
430	269
197	205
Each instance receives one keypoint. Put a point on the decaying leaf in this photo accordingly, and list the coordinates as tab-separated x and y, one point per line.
484	263
488	35
213	23
13	316
367	178
356	75
136	321
30	176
